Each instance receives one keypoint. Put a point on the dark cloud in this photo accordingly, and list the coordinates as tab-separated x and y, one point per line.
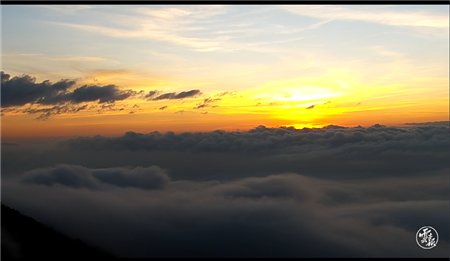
71	176
207	102
62	95
200	106
102	94
46	113
310	107
210	101
151	94
20	90
163	108
145	178
172	95
78	176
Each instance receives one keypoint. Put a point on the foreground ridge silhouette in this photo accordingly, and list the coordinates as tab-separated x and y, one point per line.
24	237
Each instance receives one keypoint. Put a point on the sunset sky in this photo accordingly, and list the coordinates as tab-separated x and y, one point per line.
200	68
227	130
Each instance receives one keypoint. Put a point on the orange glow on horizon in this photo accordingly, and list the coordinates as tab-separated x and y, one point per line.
306	102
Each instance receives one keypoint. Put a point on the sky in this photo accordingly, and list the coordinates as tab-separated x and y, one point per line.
208	67
229	131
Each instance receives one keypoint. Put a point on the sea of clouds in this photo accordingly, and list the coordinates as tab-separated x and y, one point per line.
266	192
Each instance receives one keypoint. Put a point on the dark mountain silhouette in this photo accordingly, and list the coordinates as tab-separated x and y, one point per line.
24	237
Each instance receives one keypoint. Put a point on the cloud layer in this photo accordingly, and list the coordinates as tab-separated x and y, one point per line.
267	192
282	215
355	152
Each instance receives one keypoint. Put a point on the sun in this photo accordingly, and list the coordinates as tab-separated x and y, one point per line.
304	94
